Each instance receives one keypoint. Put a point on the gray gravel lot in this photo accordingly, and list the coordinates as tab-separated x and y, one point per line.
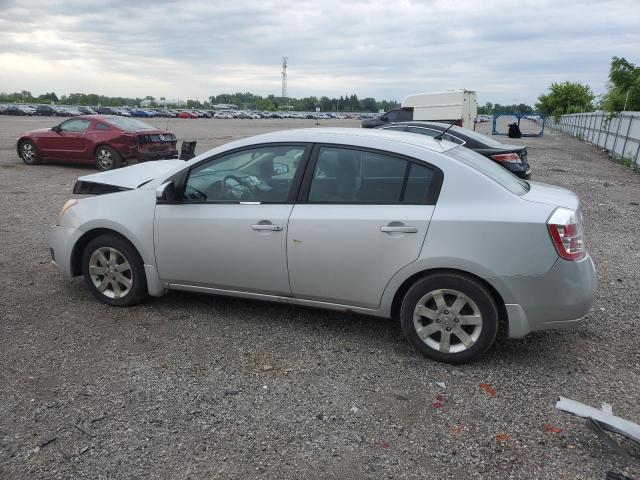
199	387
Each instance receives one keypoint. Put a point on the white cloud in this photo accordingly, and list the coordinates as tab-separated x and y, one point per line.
386	49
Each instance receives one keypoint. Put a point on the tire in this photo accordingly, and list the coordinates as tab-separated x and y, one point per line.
111	262
471	317
29	153
107	158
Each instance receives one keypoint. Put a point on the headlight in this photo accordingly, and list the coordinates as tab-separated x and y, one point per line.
67	206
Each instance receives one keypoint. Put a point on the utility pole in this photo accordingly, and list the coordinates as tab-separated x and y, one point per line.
285	101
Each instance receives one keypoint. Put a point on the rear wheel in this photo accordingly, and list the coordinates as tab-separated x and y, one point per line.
107	158
113	271
449	317
28	153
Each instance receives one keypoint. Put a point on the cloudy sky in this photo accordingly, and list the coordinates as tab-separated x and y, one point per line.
505	50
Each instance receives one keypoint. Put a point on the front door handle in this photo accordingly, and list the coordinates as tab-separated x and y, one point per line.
267	226
400	229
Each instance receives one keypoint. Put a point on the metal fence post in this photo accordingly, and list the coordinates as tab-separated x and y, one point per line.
626	138
590	131
606	139
615	139
599	130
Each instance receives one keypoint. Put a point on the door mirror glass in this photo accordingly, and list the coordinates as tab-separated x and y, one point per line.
280	169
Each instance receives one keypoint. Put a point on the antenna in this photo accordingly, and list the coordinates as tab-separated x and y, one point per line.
284	83
441	136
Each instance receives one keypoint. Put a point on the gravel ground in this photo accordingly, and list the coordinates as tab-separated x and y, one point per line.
193	386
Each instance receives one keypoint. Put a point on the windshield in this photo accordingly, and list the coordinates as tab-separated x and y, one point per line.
130	124
491	169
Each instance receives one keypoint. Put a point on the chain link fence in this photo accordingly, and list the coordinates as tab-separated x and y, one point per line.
618	135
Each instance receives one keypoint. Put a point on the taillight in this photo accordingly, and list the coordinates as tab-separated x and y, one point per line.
506	157
565	228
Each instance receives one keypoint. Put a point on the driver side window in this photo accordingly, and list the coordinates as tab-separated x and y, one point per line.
75	125
263	174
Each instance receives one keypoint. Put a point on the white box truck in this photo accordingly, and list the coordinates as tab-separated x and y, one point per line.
454	106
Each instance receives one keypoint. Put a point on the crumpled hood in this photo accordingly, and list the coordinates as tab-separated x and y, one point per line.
133	176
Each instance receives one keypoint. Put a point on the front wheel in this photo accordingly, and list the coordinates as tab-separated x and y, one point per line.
107	158
113	271
28	153
449	317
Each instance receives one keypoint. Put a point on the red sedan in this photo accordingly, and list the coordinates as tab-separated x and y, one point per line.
106	140
187	115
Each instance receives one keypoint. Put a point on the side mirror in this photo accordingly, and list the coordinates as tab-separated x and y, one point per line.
384	119
166	193
280	169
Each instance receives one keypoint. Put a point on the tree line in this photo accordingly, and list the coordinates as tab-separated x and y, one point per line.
244	101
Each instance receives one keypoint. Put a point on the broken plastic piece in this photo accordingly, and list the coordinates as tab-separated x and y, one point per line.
600	420
604	417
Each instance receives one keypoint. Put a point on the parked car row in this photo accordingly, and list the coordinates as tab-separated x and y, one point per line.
72	111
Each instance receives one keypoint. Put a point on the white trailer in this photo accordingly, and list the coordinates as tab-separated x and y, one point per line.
451	106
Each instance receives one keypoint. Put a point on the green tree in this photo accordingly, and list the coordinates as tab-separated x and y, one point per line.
566	96
623	87
368	105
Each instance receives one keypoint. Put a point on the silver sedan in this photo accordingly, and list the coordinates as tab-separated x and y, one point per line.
377	222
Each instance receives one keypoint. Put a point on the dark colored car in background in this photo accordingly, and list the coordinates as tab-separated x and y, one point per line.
107	141
47	111
511	157
392	116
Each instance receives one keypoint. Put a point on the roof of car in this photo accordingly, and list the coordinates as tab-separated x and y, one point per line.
338	135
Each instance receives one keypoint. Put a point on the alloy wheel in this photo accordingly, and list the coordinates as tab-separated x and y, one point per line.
28	152
111	272
105	159
447	321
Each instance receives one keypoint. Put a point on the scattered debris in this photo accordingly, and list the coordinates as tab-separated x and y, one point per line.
384	445
441	385
552	429
600	421
83	449
266	367
399	396
502	437
47	439
355	409
83	429
438	402
230	391
455	431
488	389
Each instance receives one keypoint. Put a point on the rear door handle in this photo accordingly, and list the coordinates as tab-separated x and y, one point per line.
401	229
267	226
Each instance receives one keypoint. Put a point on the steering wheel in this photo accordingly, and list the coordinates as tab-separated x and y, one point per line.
193	193
248	191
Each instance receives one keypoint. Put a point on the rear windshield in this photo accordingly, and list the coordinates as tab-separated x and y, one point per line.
130	124
478	137
491	169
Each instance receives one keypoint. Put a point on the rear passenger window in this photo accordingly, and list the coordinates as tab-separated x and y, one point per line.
418	183
349	176
101	126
